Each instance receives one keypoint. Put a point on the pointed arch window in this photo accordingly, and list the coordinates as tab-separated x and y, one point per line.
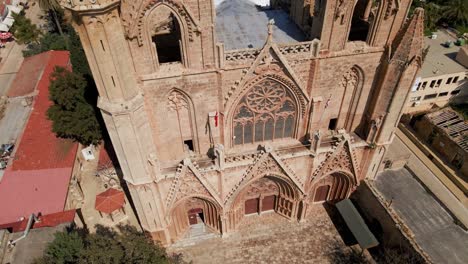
166	35
266	112
181	109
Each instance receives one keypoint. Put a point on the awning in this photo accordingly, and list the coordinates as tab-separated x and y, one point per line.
356	224
110	201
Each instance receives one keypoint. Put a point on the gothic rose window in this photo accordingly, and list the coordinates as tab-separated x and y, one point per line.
266	112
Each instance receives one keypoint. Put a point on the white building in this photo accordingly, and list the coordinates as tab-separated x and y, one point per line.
442	76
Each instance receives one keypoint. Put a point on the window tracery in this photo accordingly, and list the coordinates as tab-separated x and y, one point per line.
267	112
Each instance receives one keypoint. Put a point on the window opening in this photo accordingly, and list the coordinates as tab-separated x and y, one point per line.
439	82
188	144
102	45
455	79
359	23
430	96
432	84
266	112
332	124
167	39
424	85
455	92
449	80
443	94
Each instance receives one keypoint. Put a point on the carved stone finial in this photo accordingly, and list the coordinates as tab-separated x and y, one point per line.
268	148
270	30
187	161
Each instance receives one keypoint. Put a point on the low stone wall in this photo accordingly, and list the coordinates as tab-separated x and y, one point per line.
384	222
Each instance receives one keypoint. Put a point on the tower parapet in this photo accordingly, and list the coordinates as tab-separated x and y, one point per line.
84	5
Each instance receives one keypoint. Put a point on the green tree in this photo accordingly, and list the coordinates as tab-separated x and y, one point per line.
77	55
139	248
52	6
106	246
23	30
432	16
66	248
457	11
71	114
48	41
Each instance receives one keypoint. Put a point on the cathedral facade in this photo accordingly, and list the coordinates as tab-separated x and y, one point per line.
222	109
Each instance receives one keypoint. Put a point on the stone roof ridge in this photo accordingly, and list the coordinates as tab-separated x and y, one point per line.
409	43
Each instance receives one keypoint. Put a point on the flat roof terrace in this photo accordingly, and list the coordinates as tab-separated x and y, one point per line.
440	59
242	24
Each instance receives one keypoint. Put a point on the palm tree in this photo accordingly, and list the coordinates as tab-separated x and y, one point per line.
51	6
456	10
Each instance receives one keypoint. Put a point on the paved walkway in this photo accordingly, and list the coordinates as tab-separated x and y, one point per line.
12	55
434	229
91	186
271	238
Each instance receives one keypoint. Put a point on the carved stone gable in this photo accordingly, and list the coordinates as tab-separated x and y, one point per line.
270	63
264	164
190	185
342	159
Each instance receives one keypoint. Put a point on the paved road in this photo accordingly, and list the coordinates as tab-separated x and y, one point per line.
12	57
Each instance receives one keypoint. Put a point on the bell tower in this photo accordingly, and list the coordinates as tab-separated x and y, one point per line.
335	22
121	102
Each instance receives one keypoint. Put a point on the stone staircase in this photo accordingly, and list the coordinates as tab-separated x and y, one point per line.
195	235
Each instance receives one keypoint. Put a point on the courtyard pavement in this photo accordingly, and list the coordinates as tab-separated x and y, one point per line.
93	185
271	238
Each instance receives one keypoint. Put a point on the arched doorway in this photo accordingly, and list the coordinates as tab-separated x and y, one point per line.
267	194
194	212
333	187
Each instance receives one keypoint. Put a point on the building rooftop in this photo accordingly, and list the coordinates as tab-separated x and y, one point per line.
440	59
242	24
28	75
453	124
434	228
37	179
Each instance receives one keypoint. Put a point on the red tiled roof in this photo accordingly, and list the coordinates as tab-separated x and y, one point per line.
37	180
109	201
39	148
49	220
28	75
34	191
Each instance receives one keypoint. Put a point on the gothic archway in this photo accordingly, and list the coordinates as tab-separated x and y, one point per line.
333	187
268	193
167	35
267	111
192	211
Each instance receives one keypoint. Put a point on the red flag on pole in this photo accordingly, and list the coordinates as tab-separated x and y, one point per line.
216	119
